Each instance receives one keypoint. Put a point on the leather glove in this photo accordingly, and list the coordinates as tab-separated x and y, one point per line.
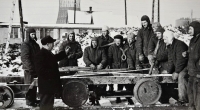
100	66
92	66
175	76
141	57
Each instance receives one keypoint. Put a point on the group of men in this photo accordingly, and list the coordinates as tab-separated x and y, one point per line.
152	46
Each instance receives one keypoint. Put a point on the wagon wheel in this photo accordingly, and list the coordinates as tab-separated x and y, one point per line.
6	97
147	91
75	93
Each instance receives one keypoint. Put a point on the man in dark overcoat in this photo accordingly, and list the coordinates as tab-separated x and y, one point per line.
194	67
28	51
46	64
177	64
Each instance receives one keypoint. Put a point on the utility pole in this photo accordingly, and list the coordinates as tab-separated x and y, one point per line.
125	13
74	11
21	19
153	11
158	10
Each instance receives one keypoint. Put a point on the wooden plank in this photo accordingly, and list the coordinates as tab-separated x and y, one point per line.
11	78
161	78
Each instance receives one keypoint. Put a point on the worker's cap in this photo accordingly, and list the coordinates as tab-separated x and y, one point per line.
160	29
47	39
118	37
145	18
156	24
105	28
31	30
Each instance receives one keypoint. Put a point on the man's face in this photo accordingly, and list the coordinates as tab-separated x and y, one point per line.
105	32
117	42
130	40
50	46
167	40
159	35
191	31
94	44
33	36
144	24
70	37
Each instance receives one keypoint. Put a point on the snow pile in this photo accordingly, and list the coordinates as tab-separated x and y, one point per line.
10	64
180	34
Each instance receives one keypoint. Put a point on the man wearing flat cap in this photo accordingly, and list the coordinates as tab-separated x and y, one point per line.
28	50
46	64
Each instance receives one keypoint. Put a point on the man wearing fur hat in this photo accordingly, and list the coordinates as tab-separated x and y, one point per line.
116	59
95	58
194	66
75	51
177	64
155	26
143	37
28	50
157	51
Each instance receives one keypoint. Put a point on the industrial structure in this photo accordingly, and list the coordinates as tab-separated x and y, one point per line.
64	6
156	11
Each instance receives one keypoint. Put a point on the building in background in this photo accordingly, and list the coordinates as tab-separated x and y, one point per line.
185	21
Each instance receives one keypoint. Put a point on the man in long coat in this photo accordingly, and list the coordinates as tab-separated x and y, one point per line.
46	64
28	51
194	67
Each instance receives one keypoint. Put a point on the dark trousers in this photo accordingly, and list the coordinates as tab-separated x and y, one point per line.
31	93
182	86
46	101
98	89
194	93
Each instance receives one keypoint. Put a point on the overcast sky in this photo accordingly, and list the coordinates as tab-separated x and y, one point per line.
46	11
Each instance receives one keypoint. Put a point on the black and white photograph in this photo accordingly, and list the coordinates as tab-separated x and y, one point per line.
99	55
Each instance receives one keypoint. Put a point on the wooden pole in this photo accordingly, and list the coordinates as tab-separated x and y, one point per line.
74	11
125	13
153	11
21	20
158	10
